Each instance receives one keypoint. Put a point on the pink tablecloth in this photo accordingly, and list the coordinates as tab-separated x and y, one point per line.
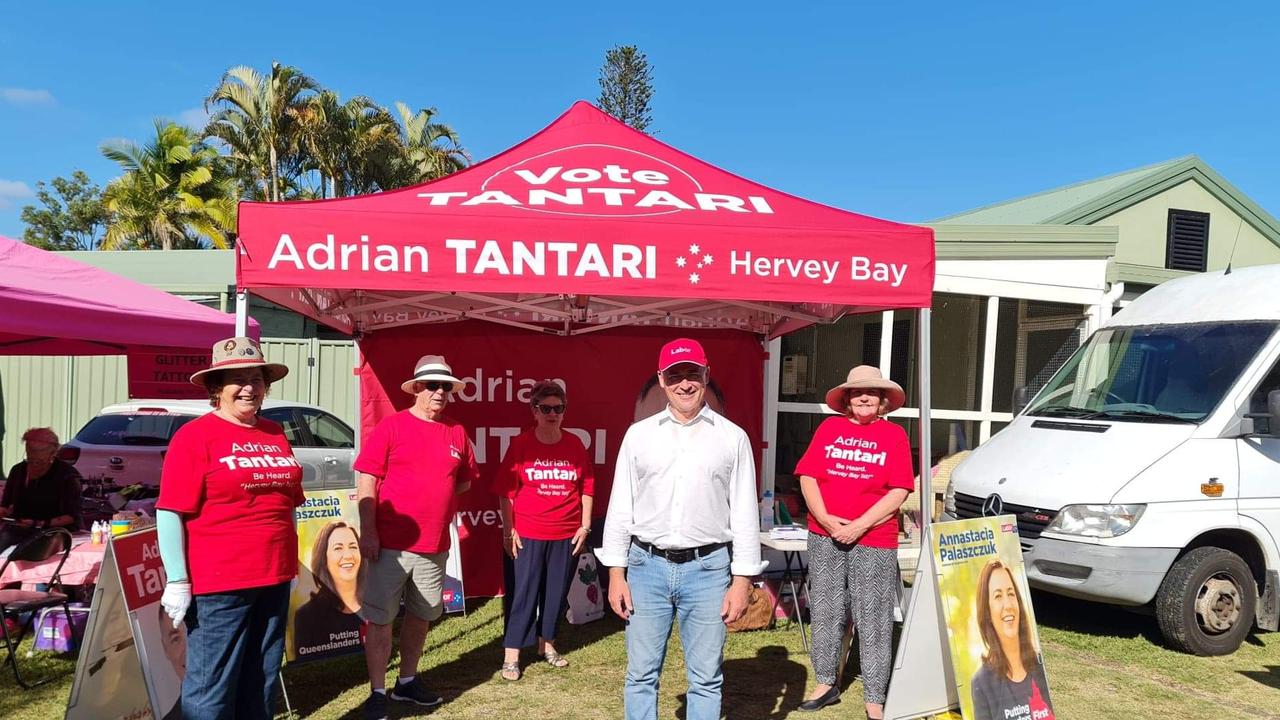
81	567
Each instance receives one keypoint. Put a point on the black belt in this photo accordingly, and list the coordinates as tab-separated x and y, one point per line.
678	555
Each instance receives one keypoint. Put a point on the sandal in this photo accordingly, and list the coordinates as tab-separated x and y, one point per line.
555	659
511	671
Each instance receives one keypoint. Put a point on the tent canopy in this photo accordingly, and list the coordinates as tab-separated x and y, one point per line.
53	305
588	224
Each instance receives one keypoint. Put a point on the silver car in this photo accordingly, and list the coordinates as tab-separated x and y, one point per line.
125	443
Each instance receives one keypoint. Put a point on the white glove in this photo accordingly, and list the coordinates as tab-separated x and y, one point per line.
176	600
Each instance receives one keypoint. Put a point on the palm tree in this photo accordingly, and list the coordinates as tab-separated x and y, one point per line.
353	145
431	150
255	121
172	193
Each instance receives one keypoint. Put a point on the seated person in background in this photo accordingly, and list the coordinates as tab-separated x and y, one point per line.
40	492
1186	388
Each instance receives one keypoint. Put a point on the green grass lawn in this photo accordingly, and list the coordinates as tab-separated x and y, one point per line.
1103	664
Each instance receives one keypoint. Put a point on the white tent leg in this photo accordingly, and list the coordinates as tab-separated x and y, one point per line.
358	423
923	352
769	458
242	313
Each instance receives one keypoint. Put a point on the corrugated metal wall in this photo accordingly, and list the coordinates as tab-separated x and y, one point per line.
64	393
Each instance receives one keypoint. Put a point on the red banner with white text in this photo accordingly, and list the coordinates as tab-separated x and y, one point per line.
607	379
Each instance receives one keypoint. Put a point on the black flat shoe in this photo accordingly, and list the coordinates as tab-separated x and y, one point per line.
830	697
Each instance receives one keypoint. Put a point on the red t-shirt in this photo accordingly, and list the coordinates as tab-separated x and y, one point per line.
236	488
856	465
546	484
419	465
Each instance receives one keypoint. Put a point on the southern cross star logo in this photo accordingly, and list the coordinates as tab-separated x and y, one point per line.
702	262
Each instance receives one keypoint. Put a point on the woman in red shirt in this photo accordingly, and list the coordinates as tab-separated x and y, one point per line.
546	482
854	476
227	538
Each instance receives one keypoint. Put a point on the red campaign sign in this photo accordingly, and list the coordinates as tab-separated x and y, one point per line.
604	374
137	558
590	206
165	372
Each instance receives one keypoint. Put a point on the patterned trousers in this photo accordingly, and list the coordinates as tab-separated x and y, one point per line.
864	580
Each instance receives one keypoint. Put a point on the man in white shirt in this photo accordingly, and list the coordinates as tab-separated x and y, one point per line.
684	497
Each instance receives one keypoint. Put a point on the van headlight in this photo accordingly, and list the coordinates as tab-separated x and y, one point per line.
1100	521
949	499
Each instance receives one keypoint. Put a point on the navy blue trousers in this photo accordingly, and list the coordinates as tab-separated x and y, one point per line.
537	584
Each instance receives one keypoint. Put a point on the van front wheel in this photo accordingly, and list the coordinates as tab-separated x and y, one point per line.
1206	603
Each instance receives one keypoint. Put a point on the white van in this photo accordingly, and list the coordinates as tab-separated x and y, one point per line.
1146	473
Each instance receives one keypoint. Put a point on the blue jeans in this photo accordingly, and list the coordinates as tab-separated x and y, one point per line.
235	641
690	593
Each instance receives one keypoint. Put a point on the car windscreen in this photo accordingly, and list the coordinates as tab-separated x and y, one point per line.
1153	373
144	429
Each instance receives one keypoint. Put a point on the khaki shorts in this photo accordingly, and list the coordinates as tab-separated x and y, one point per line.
418	578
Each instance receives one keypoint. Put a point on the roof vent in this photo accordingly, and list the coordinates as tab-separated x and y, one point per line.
1187	247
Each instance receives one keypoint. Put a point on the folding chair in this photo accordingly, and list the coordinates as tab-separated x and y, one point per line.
36	549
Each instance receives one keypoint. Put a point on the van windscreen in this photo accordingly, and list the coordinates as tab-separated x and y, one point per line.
1156	373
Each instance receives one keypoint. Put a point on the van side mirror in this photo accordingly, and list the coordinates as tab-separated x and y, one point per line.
1265	424
1021	398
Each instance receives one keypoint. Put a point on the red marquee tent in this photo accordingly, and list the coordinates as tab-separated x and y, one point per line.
586	226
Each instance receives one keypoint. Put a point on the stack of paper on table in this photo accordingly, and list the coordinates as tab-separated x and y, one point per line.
789	532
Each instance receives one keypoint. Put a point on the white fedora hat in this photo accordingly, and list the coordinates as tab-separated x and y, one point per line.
431	367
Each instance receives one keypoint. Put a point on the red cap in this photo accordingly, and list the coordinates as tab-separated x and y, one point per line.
681	351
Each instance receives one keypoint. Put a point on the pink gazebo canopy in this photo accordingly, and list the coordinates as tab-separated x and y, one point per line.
53	305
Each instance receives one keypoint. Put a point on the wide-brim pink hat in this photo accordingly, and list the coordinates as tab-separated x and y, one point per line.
240	352
866	377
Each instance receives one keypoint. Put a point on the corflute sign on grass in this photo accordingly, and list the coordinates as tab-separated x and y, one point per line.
589	206
132	658
970	641
995	648
324	602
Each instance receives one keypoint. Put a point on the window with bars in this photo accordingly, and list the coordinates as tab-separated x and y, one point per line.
1187	247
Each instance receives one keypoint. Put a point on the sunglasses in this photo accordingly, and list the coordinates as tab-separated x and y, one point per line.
675	377
434	385
548	409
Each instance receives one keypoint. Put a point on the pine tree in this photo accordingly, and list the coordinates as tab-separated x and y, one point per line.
626	86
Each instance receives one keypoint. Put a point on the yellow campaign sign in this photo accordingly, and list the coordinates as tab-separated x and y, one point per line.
990	624
324	605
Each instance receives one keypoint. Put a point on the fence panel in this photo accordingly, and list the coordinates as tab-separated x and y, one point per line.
34	392
337	390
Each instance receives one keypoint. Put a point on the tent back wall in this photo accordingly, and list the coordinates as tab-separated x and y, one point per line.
603	373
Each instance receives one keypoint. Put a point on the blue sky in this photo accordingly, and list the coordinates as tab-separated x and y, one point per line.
907	112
